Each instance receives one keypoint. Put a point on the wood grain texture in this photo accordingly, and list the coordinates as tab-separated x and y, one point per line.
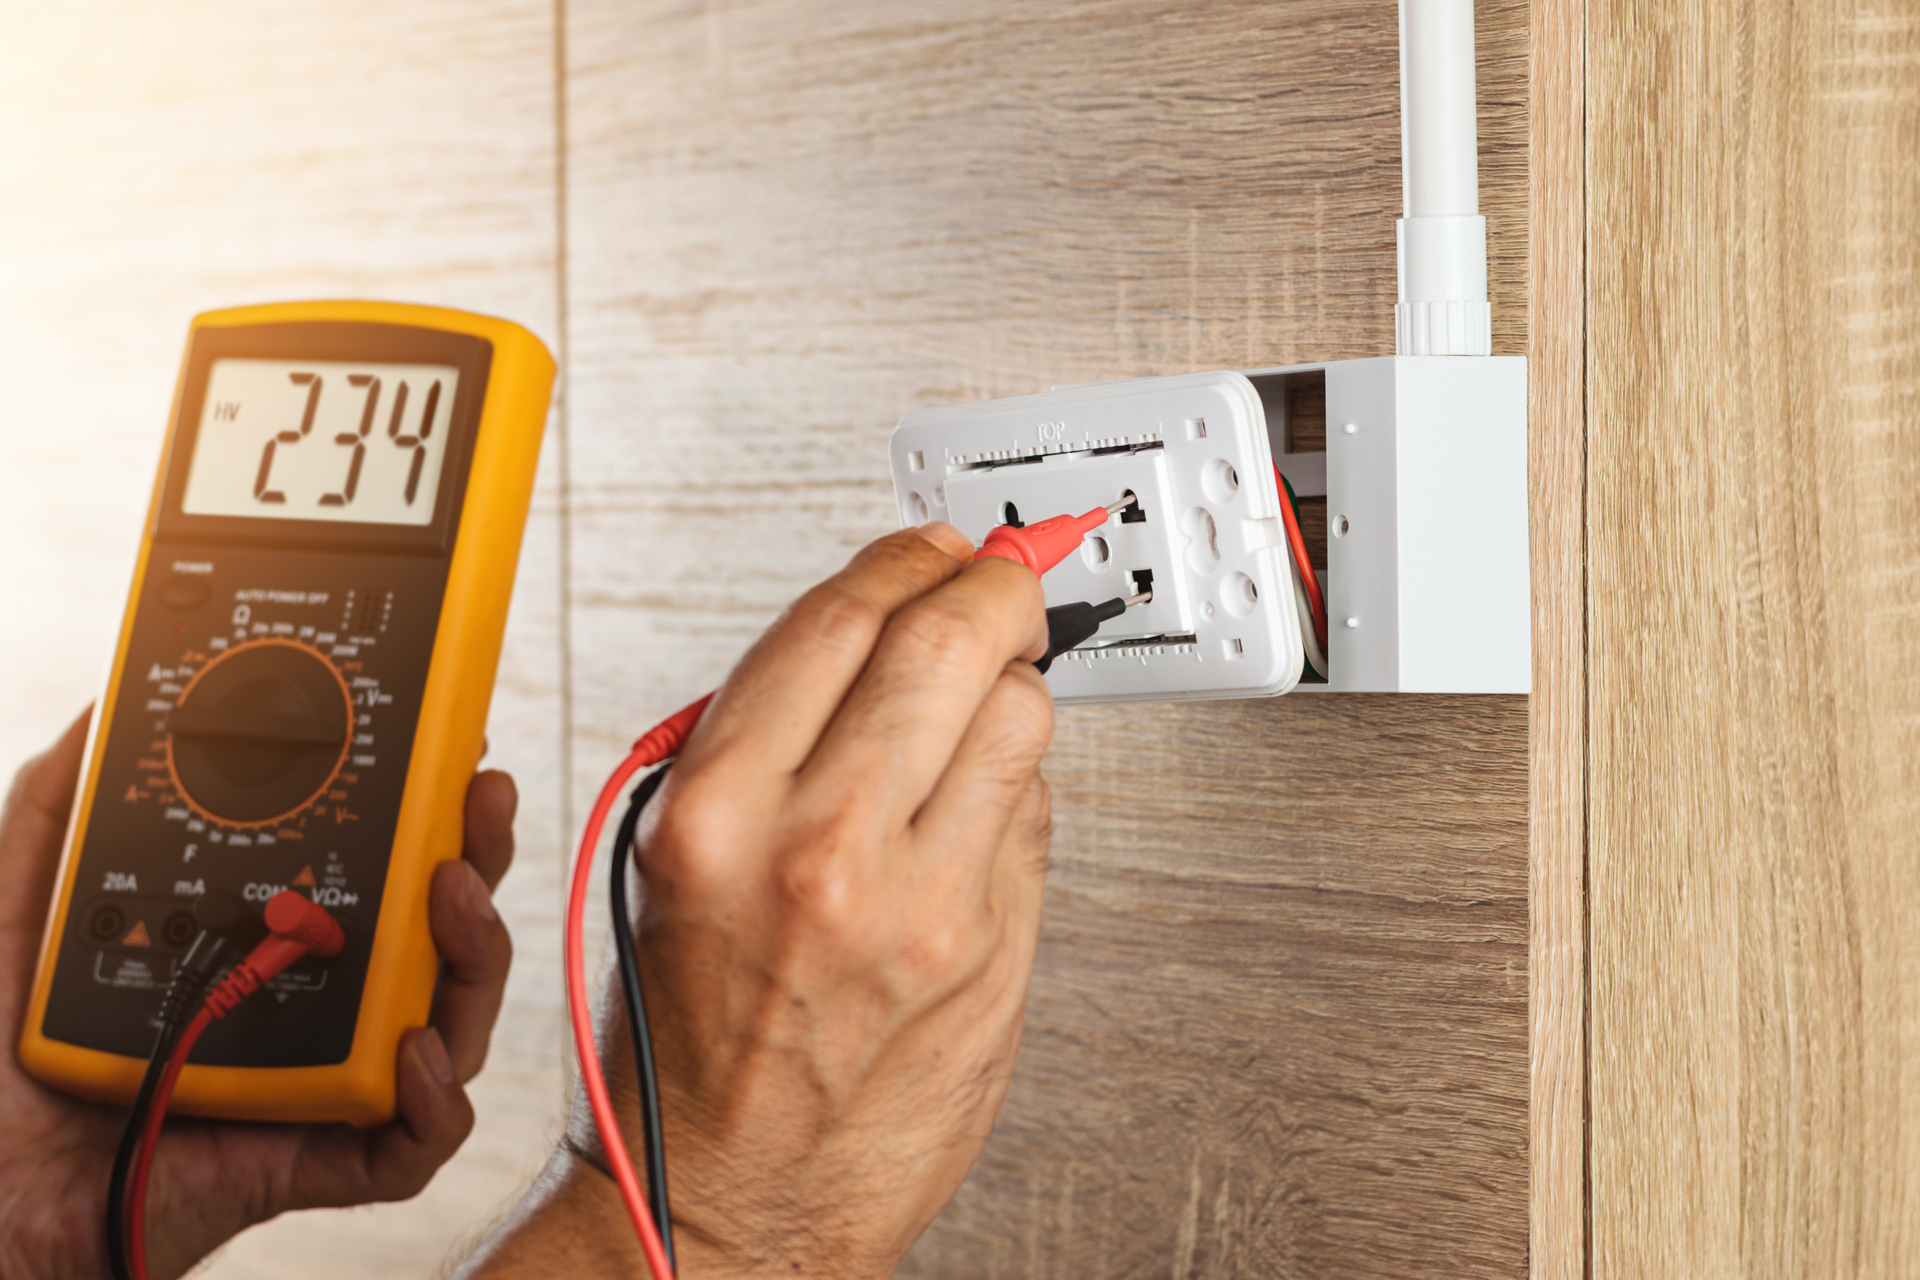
1556	431
160	160
1279	1021
1754	528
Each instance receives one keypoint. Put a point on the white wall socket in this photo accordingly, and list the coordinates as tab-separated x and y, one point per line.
1424	478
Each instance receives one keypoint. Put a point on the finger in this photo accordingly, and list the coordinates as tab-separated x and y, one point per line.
1029	836
340	1166
492	800
989	778
33	826
475	955
933	667
775	703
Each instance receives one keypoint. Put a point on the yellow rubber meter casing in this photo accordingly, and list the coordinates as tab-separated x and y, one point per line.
299	695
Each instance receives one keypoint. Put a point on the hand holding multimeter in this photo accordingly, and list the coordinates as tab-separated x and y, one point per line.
214	1179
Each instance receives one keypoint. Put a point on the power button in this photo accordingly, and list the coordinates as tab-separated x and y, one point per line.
182	592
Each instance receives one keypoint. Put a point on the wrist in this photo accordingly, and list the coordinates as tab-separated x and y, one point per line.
589	1200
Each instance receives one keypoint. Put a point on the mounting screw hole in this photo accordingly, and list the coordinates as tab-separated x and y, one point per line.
1239	594
1340	526
1220	480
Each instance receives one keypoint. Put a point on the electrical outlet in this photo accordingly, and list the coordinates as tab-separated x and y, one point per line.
1412	477
1206	532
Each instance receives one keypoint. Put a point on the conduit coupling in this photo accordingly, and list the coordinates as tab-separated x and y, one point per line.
1442	239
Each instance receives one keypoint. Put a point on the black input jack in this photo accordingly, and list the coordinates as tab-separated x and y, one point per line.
106	923
1133	514
179	929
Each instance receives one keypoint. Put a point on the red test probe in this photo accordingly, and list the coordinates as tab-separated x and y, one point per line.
1042	545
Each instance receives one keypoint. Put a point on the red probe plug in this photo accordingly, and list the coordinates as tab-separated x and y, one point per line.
1044	545
300	925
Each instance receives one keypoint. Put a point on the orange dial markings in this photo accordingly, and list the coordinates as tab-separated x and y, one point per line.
346	745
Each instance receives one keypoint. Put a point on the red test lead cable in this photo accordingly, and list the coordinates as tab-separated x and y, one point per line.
654	746
298	925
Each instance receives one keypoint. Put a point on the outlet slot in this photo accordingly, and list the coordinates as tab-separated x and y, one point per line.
1135	514
1142	580
1010	516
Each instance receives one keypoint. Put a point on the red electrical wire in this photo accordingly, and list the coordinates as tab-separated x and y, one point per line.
1309	579
656	745
299	925
149	1139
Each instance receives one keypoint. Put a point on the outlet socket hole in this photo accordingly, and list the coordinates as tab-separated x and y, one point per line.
1234	649
1133	514
1010	516
1142	580
916	461
917	508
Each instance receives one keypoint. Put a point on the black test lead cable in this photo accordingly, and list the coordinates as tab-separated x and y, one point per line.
636	1001
227	927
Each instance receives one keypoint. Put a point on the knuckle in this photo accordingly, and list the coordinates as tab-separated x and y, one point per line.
1027	702
1037	811
693	824
933	954
813	885
937	636
835	614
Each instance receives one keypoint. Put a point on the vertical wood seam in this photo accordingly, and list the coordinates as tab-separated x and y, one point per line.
561	414
1558	971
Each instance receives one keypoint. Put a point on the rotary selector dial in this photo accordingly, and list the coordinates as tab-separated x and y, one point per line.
259	733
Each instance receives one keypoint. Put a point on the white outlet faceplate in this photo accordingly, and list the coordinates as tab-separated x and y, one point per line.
1424	476
1193	449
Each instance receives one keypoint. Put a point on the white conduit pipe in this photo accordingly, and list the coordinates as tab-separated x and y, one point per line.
1442	237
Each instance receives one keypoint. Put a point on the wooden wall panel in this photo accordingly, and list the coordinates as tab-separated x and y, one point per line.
158	160
1279	1025
1754	527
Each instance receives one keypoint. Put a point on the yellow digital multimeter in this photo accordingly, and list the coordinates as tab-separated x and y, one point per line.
299	695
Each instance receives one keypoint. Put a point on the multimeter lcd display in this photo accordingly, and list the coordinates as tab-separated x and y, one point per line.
329	440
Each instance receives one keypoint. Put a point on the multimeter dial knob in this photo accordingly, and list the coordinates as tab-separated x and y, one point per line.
260	732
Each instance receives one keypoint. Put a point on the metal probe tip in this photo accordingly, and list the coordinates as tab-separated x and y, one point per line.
1142	598
1126	500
